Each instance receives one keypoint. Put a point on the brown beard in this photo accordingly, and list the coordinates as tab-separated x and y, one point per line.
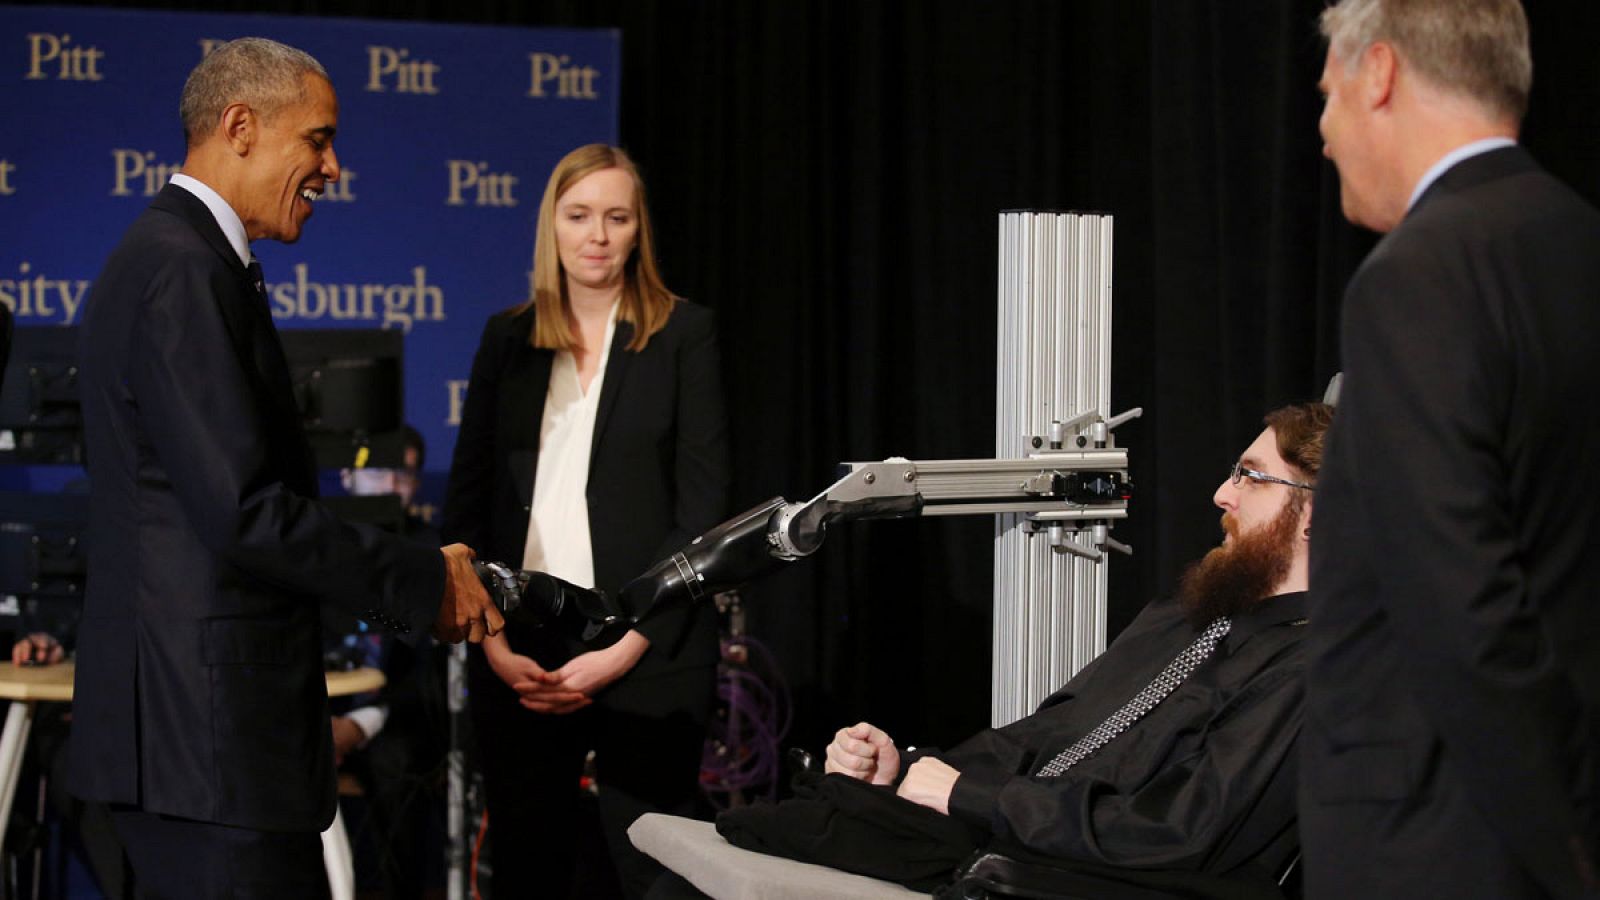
1238	575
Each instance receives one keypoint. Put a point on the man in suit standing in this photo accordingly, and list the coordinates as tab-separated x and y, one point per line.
200	709
1453	672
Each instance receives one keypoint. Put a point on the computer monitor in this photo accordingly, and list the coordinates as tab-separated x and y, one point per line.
43	563
5	340
349	385
40	421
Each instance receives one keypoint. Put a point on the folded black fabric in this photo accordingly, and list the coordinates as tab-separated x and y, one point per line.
994	873
847	824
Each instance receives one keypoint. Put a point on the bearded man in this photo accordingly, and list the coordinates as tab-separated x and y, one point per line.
1175	749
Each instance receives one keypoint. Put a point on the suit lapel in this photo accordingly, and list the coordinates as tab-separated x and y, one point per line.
617	363
523	386
249	323
235	314
191	209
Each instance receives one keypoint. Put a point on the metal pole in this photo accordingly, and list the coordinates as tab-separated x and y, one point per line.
1053	348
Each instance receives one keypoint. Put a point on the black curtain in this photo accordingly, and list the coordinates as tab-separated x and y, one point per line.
827	174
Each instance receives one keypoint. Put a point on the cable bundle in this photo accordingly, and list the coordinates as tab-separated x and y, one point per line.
743	748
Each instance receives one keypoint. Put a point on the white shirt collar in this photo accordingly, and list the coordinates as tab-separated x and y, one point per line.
228	220
1463	152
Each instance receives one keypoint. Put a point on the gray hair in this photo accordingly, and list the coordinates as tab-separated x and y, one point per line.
261	73
1477	49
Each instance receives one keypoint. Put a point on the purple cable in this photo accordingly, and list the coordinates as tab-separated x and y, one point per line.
743	749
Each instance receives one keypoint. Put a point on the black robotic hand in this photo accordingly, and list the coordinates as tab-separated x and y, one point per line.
542	600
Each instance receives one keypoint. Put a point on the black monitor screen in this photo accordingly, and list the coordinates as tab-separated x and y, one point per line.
5	340
348	385
40	421
43	564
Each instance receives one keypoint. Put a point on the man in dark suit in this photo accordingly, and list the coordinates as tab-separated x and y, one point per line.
200	709
1453	673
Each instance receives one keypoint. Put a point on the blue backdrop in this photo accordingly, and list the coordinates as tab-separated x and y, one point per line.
446	136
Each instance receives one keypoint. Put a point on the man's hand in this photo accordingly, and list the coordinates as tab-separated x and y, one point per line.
537	689
37	649
347	736
592	671
928	783
465	611
865	753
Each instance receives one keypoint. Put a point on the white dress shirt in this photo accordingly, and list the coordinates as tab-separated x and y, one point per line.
558	525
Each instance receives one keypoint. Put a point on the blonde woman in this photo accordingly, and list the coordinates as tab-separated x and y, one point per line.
592	444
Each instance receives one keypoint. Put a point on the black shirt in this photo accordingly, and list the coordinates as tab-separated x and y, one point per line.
1204	781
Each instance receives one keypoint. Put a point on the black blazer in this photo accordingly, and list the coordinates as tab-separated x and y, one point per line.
658	467
199	689
1453	675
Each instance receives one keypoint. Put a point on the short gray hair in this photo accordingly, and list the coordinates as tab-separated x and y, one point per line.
259	72
1474	48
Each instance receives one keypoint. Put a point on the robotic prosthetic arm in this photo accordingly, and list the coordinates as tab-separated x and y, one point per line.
722	558
1064	492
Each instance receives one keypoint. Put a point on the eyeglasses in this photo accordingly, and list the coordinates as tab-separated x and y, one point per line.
1239	471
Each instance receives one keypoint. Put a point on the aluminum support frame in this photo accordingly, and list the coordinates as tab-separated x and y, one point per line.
1053	391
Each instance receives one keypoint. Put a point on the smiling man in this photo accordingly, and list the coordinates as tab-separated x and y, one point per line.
200	709
1453	665
1173	751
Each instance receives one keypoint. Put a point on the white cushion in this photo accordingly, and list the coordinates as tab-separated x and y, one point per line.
694	850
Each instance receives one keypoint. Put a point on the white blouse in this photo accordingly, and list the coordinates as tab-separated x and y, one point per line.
558	525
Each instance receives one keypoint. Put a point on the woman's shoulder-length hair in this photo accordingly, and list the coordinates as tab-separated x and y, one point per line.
646	302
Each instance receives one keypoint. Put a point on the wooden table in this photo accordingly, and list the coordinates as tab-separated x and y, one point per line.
26	686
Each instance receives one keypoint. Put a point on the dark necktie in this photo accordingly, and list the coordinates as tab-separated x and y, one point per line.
257	279
1157	690
266	347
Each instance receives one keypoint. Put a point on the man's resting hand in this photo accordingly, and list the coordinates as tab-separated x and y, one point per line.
864	752
929	782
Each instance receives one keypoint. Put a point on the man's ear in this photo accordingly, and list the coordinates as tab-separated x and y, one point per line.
239	126
1378	68
1305	520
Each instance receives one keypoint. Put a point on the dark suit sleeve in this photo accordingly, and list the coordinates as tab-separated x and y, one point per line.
700	459
1426	411
208	431
468	497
